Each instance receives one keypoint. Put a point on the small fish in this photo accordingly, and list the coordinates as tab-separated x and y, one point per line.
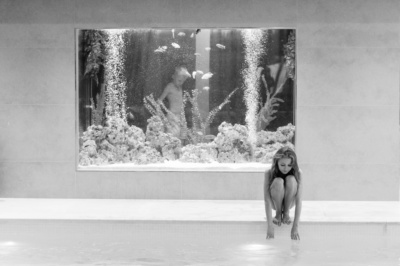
206	88
181	34
209	137
194	74
192	35
200	72
164	47
207	48
175	45
207	75
160	49
200	133
131	116
173	33
220	46
197	31
89	106
197	54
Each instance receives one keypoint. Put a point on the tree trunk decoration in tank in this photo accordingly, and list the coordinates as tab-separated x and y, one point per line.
253	42
97	110
94	50
290	55
115	76
266	113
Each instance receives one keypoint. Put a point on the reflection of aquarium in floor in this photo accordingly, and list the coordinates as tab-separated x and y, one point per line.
153	96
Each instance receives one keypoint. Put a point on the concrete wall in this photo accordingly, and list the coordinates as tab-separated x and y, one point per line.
347	99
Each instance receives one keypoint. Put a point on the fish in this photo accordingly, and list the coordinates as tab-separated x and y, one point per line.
89	106
206	88
173	33
160	49
131	116
197	54
181	34
207	75
164	47
200	72
207	48
220	46
175	45
194	74
209	137
192	35
197	31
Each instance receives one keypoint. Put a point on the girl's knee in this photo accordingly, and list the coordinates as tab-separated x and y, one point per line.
291	181
277	184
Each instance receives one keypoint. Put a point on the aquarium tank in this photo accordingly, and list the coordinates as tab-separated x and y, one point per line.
184	96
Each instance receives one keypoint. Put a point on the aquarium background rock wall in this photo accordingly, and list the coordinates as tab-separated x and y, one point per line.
347	116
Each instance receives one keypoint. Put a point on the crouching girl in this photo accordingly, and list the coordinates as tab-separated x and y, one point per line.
282	191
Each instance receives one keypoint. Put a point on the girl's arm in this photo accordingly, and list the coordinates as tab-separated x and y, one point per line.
297	213
268	208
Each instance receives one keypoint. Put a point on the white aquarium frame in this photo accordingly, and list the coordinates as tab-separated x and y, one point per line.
171	166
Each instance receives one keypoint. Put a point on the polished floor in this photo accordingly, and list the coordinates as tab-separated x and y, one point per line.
162	232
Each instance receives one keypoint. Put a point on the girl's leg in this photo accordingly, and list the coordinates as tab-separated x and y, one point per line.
290	194
277	193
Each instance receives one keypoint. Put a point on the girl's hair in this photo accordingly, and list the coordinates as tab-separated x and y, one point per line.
284	152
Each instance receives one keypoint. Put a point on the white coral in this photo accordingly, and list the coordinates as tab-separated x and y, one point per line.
148	155
166	143
200	153
233	144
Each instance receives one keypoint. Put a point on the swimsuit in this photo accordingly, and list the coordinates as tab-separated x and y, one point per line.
283	176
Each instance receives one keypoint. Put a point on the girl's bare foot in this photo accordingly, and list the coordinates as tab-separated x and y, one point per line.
286	218
277	220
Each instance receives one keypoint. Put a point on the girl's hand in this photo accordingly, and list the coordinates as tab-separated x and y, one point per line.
270	232
295	233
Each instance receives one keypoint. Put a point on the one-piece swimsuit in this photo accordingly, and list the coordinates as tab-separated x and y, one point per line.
283	176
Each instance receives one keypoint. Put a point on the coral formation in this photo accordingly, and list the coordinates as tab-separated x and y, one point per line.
116	142
269	142
199	153
233	144
168	145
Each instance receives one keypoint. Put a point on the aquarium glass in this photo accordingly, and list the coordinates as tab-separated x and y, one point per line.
184	96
